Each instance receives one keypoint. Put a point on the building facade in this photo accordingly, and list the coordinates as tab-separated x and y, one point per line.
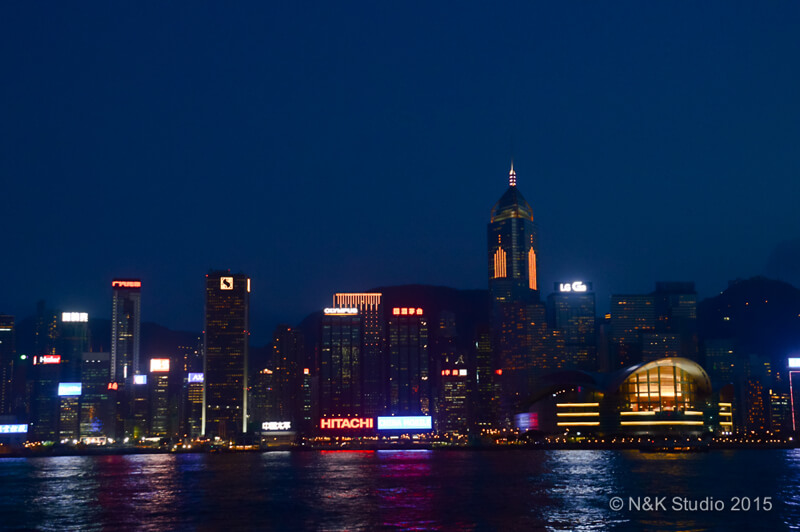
225	343
513	287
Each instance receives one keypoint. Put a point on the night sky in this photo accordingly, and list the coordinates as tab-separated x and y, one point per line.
323	148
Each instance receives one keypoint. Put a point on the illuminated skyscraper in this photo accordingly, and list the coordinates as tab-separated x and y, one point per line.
73	341
226	331
340	363
7	355
409	363
370	310
513	287
126	315
573	314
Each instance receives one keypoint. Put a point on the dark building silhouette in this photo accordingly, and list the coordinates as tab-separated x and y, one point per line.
573	314
632	316
225	341
126	315
98	396
287	358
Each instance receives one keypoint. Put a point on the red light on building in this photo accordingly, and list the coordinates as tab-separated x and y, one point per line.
113	386
346	423
126	284
445	372
498	371
306	371
407	311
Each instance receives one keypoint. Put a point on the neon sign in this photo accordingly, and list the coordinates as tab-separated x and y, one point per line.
140	379
404	422
226	283
13	429
406	311
66	389
340	311
454	373
794	362
576	286
126	284
346	423
276	425
113	386
159	365
196	377
75	316
47	359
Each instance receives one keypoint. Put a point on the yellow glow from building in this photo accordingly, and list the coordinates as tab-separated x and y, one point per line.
577	414
532	269
725	404
693	413
570	405
726	423
647	413
500	267
625	423
578	423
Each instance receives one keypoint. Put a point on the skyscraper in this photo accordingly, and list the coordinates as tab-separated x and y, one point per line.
513	287
572	307
226	331
409	362
7	355
632	317
126	315
287	358
370	310
340	363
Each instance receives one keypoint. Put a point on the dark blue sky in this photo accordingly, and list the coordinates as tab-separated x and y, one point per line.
324	148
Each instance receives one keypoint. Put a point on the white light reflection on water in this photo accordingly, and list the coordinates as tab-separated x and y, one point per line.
578	485
63	491
790	489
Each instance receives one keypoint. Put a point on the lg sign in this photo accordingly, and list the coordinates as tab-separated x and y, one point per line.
576	286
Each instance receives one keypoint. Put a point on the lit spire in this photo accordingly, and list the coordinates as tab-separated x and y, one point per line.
512	175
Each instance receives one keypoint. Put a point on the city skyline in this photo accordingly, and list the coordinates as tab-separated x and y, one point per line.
655	143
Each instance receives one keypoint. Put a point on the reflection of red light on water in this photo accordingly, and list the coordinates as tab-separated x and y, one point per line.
350	451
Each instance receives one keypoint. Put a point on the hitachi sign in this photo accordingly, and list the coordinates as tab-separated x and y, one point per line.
346	423
576	286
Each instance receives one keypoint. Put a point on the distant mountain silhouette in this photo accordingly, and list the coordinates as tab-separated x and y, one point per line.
157	340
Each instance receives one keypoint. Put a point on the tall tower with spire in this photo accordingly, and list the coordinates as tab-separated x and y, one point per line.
512	247
513	290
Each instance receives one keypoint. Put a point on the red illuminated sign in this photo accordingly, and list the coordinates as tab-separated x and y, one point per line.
126	284
346	423
113	386
47	359
406	311
498	371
